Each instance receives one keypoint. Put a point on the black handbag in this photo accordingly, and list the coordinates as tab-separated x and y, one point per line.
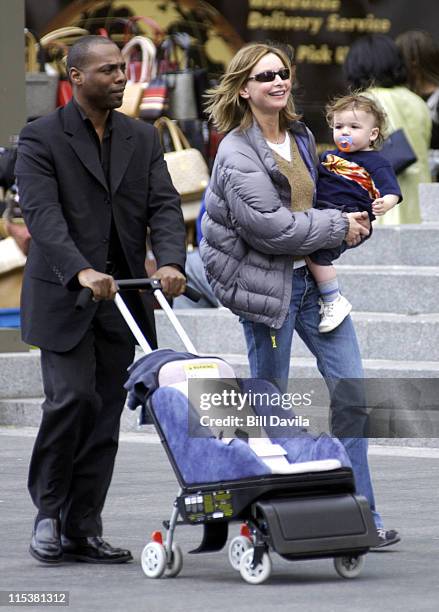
398	151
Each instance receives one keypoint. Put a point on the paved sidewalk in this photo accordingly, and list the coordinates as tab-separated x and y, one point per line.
402	579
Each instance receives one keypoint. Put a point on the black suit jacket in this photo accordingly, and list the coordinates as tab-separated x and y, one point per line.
67	207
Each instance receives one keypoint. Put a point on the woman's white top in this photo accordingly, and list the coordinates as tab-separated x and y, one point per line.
283	149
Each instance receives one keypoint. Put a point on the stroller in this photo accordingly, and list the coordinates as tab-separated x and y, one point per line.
293	494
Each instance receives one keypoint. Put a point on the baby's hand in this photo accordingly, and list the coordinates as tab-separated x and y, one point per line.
382	205
379	207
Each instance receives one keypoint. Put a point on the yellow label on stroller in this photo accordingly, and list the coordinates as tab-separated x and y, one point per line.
201	370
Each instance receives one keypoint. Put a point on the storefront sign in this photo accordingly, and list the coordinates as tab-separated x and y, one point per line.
321	31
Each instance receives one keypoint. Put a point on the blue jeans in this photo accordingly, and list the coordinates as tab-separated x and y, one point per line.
338	360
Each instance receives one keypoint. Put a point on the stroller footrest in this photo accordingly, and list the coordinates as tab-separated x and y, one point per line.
214	538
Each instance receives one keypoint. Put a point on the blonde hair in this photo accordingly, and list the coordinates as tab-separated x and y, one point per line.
358	101
225	108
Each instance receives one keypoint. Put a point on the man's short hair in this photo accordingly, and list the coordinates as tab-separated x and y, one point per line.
78	54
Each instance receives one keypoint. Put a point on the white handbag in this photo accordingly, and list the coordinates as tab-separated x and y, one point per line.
11	257
188	170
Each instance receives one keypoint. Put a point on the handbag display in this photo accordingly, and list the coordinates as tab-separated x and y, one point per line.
139	70
12	263
154	102
67	35
175	87
13	226
180	77
398	151
138	73
11	256
188	170
182	100
56	45
56	53
41	88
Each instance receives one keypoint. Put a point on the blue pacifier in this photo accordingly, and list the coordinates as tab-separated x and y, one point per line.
344	143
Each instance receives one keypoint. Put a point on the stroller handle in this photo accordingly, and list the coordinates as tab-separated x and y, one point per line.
152	284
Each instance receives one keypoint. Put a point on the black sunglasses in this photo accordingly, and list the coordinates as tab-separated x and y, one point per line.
270	75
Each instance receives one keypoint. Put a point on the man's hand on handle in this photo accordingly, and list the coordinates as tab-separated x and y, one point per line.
359	227
103	285
172	280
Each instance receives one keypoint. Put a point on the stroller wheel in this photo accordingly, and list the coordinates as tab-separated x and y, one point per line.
349	567
174	568
153	560
238	546
258	574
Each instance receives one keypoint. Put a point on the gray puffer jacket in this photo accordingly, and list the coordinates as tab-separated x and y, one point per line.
250	232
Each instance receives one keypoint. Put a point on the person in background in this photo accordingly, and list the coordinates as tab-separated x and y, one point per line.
91	181
259	225
421	56
375	65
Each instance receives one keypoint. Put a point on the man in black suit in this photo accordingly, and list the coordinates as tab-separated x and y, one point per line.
91	181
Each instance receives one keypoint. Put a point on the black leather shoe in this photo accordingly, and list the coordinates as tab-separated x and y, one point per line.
45	544
93	550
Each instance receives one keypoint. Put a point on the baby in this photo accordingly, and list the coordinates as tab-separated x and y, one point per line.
354	177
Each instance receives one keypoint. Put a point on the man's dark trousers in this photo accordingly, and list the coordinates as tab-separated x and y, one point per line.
74	453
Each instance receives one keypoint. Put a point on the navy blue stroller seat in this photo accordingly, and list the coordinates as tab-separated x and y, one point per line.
198	454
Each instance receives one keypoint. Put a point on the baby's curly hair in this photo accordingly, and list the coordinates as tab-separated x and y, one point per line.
359	101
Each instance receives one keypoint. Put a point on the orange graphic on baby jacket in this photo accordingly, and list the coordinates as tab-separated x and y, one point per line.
352	172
